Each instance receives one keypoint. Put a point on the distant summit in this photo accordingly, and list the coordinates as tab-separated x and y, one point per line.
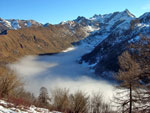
129	13
7	24
93	22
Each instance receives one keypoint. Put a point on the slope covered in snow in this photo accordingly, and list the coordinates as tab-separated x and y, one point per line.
6	107
124	28
103	23
117	23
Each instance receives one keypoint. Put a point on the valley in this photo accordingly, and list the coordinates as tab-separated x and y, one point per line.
92	55
61	71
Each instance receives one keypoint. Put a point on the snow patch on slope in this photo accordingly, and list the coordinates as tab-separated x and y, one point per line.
142	25
6	23
6	107
15	24
92	41
29	24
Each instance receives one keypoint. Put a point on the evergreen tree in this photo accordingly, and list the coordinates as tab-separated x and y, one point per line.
43	97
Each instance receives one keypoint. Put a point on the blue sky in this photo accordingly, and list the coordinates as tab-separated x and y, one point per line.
55	11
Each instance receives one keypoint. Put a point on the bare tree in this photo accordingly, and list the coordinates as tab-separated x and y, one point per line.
98	105
21	93
79	102
60	99
141	52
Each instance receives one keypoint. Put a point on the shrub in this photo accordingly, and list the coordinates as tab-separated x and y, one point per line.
8	82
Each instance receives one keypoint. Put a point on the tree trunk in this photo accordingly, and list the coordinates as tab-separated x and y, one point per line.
130	110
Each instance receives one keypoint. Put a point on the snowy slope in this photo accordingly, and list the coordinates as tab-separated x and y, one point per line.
122	29
105	31
103	26
14	24
6	107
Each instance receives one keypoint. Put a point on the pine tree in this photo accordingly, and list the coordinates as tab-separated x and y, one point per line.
43	97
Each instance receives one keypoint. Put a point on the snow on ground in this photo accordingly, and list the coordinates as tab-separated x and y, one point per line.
69	49
6	107
141	25
6	23
29	24
92	41
15	24
91	28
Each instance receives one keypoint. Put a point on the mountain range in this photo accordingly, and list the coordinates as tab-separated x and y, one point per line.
106	37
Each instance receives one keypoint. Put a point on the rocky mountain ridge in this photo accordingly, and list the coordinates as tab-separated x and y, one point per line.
106	37
104	57
7	24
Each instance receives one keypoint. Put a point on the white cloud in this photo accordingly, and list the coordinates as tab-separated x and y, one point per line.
60	71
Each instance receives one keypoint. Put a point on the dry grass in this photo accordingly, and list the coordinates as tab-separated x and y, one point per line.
36	40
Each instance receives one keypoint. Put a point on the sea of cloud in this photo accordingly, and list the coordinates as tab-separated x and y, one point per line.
60	71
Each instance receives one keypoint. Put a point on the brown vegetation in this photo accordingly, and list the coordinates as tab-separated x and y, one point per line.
78	102
30	41
35	40
98	105
134	93
61	99
129	76
141	52
9	82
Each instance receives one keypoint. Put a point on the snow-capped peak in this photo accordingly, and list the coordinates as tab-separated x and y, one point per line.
129	13
5	23
119	21
17	24
125	15
14	24
112	16
145	18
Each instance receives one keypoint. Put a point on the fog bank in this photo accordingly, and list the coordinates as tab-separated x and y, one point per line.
60	71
